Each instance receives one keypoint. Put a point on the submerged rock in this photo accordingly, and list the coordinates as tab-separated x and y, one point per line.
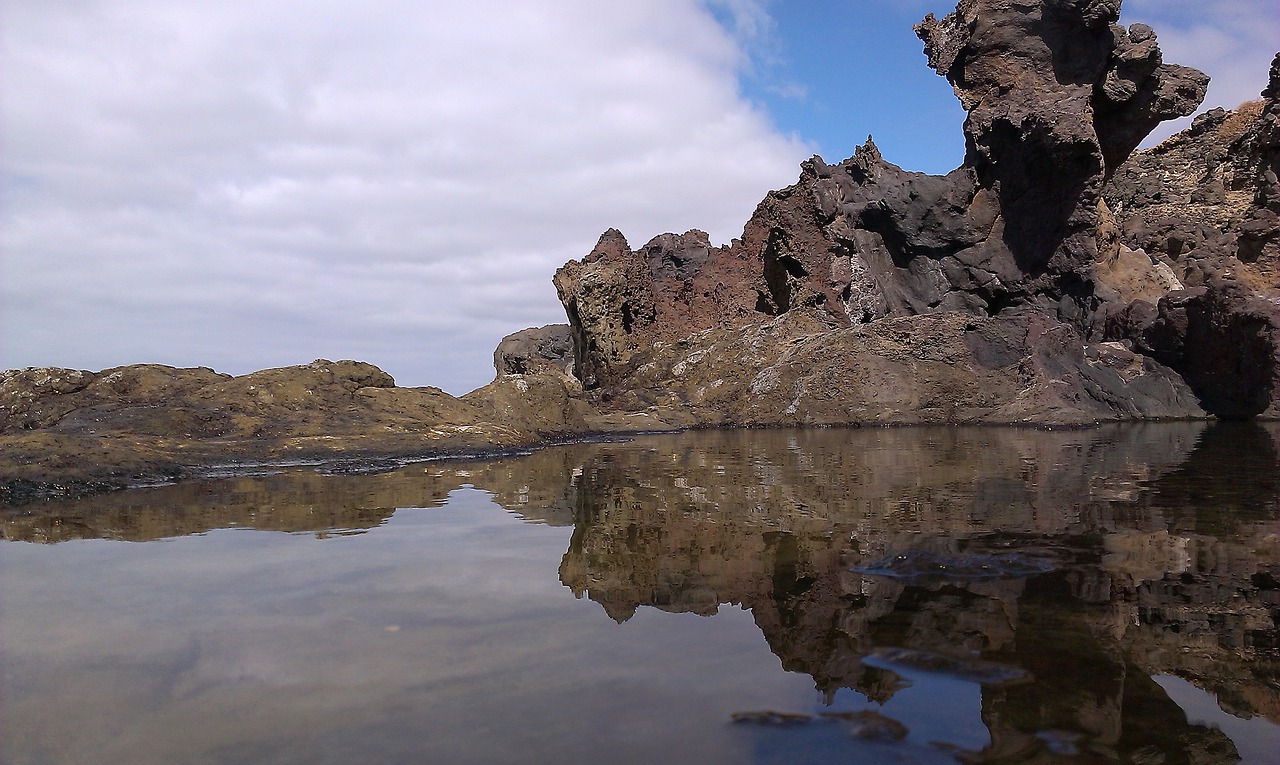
919	567
771	717
866	724
962	667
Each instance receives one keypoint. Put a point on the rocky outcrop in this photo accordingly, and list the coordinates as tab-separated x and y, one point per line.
1203	207
1207	200
1057	97
1225	340
1052	279
871	259
534	350
68	431
801	368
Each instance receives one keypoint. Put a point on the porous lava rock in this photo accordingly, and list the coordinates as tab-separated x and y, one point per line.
1057	97
1203	208
535	349
1051	279
1207	200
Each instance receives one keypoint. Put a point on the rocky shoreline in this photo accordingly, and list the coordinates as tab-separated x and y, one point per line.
1056	278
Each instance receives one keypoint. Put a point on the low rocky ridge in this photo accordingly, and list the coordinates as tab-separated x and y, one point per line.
66	431
1051	279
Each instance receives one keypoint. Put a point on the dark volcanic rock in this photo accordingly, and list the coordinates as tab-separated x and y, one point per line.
1057	96
620	301
1257	155
1225	340
535	349
1205	205
1207	200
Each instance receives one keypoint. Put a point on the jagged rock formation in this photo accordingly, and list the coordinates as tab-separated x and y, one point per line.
1058	96
1204	206
1207	200
1051	279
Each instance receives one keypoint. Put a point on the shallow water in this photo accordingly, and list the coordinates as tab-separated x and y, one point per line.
911	595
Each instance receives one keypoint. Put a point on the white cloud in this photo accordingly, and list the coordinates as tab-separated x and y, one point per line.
249	185
1232	41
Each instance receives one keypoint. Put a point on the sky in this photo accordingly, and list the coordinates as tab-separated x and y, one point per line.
244	186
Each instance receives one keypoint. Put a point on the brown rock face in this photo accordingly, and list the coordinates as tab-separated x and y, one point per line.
1207	201
1225	340
945	367
1058	96
1205	206
620	301
1259	152
65	431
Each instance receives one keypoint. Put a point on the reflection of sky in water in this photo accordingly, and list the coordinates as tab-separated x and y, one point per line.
940	707
1256	739
444	633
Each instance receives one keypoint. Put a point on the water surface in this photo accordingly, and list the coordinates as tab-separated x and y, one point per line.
911	595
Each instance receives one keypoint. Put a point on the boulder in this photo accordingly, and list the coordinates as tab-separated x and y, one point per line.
1224	339
535	349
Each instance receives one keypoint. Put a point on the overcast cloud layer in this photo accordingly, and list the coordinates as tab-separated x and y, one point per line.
251	185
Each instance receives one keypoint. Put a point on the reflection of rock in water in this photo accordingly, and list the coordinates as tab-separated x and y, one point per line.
537	486
1232	476
1042	556
1087	559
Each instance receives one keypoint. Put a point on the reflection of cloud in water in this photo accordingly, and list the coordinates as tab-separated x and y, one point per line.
253	644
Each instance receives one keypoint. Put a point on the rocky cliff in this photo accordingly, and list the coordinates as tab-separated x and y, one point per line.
1054	278
1013	289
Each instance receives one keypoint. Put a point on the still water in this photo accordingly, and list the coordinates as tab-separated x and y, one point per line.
910	595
